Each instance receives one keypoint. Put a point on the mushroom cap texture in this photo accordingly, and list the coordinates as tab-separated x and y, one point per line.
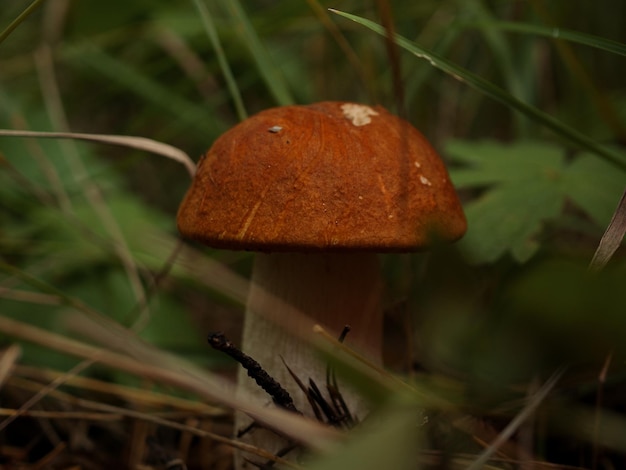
330	176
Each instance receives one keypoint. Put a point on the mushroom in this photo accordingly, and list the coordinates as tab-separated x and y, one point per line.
319	190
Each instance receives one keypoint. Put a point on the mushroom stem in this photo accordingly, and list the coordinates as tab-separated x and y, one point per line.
332	290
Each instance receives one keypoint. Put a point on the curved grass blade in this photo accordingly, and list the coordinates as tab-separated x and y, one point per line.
533	403
495	93
20	19
269	71
612	238
590	40
125	352
513	71
139	143
231	83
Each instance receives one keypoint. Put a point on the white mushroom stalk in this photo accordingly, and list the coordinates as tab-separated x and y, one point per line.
333	290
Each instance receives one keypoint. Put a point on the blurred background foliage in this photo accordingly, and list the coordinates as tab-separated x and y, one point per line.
511	302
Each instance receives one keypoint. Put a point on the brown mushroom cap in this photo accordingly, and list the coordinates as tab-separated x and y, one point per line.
330	176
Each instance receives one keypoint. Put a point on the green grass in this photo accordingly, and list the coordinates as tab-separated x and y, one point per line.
505	338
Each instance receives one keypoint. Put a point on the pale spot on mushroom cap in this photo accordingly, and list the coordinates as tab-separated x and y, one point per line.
425	181
275	129
358	114
417	164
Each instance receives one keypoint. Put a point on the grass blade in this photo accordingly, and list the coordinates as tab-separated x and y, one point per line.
142	360
20	19
522	416
231	83
590	40
269	71
185	112
612	238
140	143
513	71
495	93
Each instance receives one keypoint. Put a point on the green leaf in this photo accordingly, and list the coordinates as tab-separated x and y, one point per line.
594	186
488	162
389	439
526	185
508	219
526	193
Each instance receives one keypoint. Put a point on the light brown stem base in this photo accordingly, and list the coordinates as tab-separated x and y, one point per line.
329	289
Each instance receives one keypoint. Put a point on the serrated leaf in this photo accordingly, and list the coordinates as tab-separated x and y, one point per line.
489	162
526	184
526	193
507	219
595	186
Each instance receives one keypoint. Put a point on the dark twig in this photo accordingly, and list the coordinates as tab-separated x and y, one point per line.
335	412
279	395
344	333
333	389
